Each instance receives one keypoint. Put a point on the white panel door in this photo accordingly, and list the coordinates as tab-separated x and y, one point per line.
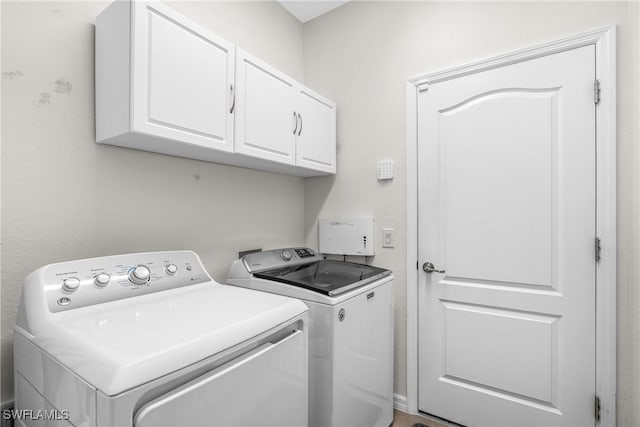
266	124
316	135
507	208
183	79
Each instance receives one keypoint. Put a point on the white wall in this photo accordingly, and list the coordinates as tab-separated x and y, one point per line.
361	55
65	197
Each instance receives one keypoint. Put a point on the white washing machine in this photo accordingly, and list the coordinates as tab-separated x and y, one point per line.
150	339
350	330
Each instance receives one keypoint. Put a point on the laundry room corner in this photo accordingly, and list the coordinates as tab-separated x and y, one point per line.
212	204
66	197
363	53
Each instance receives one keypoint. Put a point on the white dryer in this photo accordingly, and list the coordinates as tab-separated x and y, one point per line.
150	339
350	330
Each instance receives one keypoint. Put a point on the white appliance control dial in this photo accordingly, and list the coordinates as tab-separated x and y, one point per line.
71	284
171	269
102	280
75	284
140	275
285	255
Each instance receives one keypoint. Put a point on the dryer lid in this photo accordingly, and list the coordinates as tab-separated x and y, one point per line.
121	344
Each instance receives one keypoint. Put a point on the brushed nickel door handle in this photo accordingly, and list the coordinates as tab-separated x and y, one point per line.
233	98
428	267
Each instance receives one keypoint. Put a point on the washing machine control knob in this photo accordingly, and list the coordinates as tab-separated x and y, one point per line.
171	269
102	279
71	284
285	255
139	275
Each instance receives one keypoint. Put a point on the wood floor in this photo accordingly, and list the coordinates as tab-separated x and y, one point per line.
400	419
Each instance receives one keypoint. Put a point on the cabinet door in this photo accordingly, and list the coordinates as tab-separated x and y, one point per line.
316	141
183	79
265	121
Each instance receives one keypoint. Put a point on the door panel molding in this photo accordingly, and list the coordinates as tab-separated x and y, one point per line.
604	40
522	400
501	373
497	94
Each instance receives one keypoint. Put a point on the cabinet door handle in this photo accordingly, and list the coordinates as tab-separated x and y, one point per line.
233	100
295	117
300	131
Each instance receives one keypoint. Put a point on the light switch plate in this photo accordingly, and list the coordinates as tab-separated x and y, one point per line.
387	237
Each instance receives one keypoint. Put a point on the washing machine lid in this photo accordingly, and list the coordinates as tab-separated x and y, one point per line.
328	277
121	344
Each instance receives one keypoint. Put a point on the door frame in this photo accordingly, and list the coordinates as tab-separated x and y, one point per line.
604	40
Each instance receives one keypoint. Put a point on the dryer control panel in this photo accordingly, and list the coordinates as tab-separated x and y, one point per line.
74	284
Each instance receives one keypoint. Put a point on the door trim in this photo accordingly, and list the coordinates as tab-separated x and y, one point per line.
604	40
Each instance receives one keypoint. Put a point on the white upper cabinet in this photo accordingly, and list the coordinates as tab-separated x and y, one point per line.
182	78
168	85
161	75
265	110
316	134
279	119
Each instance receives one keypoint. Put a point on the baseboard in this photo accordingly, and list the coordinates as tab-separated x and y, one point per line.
400	402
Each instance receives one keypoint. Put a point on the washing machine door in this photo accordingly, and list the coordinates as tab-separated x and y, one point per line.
328	277
265	387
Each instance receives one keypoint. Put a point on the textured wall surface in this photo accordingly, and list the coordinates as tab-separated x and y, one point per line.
65	197
362	54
